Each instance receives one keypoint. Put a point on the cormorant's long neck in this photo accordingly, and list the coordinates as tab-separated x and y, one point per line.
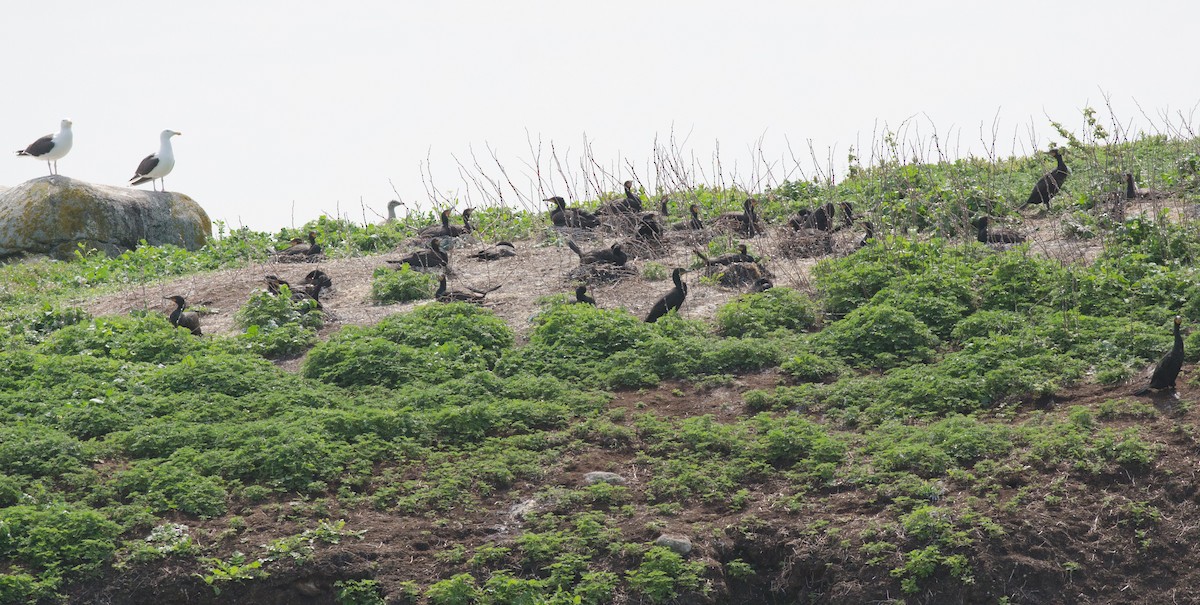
1178	350
1130	192
441	291
675	277
982	233
1062	166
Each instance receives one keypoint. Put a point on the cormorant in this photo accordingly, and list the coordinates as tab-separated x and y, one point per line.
315	280
437	230
630	204
762	285
1132	191
562	216
996	236
649	227
1047	186
455	230
434	257
497	252
672	300
692	224
847	215
868	234
471	296
613	254
300	247
180	319
742	256
745	222
1168	367
581	296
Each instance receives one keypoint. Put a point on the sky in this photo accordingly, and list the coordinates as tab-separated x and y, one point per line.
290	110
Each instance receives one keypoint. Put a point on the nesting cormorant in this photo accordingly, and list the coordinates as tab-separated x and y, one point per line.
434	257
741	256
672	300
762	284
692	224
745	222
995	236
562	216
1133	191
455	230
301	248
1047	186
440	230
613	254
471	296
868	234
847	215
1168	367
581	296
180	319
496	252
316	279
630	204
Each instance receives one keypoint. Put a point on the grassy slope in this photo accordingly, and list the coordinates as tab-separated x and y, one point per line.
984	451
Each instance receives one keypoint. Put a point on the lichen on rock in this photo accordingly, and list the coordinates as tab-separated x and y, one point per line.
54	214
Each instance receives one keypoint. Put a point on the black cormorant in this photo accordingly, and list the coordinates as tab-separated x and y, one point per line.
745	222
692	224
741	256
471	296
581	296
672	300
1047	186
868	234
180	319
497	252
762	284
1168	367
434	257
562	216
996	236
613	254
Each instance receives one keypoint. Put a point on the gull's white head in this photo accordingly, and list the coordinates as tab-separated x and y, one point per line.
65	124
168	133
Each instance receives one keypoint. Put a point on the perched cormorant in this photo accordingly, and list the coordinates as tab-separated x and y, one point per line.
471	296
996	236
745	222
649	227
52	147
180	319
157	165
762	284
741	256
1047	186
613	254
562	216
497	252
424	259
315	280
1168	367
581	296
672	300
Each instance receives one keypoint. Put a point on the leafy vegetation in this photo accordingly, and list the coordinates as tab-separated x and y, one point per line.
908	425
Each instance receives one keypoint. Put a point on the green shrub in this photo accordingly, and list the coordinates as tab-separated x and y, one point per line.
57	539
458	590
878	336
663	574
763	313
283	341
390	286
358	592
147	337
805	366
268	311
470	332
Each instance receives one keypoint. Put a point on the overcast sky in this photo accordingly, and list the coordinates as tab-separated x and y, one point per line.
293	109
